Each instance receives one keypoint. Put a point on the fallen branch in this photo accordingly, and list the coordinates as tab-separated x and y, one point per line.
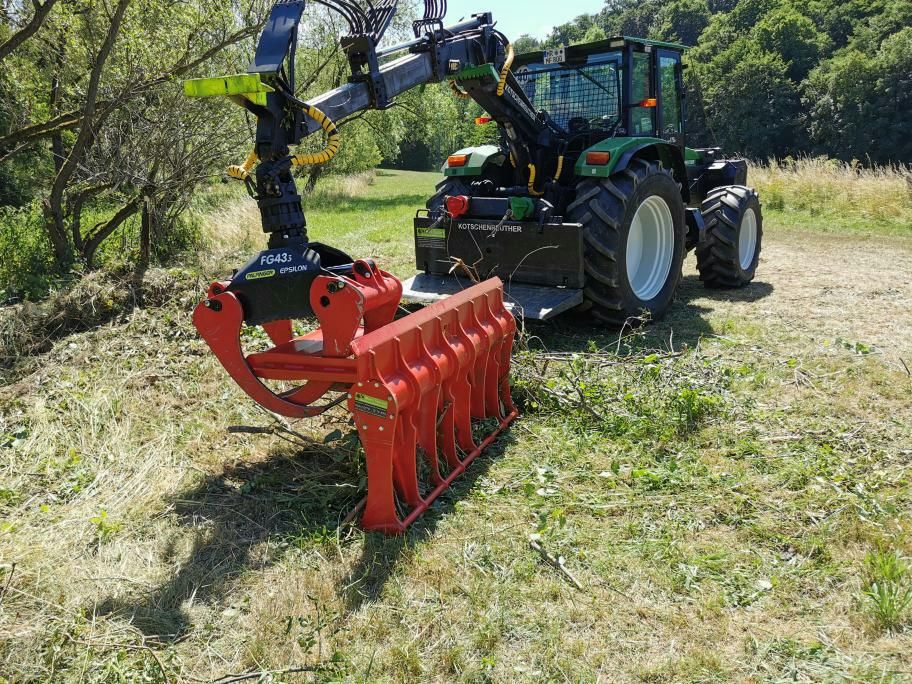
557	563
262	674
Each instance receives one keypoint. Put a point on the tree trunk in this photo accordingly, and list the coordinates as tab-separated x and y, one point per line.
54	213
54	201
145	239
53	219
312	178
94	239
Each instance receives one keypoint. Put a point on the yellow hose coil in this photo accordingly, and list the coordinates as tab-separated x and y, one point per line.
242	171
332	141
532	190
458	92
502	84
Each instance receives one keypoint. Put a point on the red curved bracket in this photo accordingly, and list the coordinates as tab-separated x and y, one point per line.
219	320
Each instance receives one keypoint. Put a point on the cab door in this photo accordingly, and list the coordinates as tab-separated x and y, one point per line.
670	85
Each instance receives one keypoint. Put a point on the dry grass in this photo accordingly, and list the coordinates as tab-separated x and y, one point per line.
98	298
721	515
835	196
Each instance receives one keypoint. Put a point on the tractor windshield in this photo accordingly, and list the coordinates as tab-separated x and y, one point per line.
577	97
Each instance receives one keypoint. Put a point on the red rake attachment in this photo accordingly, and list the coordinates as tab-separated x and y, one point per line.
412	385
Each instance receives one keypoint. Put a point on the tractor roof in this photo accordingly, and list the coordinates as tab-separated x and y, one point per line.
645	41
583	50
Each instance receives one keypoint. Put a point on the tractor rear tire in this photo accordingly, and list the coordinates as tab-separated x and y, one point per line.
729	249
447	187
634	241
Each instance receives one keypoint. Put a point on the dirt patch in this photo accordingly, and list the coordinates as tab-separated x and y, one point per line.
829	290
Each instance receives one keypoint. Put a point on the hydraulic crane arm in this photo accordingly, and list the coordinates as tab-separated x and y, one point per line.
472	49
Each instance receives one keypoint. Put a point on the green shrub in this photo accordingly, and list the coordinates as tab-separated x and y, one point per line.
26	267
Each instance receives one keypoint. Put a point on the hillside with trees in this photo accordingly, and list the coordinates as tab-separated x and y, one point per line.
772	78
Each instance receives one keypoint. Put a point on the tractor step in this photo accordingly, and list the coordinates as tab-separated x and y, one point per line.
528	301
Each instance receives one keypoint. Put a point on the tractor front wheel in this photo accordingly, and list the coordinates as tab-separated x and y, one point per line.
634	235
729	249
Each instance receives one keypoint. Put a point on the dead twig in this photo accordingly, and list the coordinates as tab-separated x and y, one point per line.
9	580
355	512
611	359
262	674
556	562
284	433
470	271
903	362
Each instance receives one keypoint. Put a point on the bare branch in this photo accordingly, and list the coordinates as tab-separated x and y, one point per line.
101	231
29	134
30	29
85	129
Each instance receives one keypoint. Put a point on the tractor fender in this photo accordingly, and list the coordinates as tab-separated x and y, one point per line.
625	150
478	159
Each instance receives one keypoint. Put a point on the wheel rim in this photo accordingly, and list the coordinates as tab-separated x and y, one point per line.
747	239
650	248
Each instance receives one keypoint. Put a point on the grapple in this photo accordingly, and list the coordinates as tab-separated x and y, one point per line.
423	389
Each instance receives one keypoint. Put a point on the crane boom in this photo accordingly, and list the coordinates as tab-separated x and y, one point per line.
472	51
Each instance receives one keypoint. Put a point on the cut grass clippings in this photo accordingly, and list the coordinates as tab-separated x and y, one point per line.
721	496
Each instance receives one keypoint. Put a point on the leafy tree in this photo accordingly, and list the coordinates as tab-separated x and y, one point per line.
857	104
594	33
752	105
788	33
526	43
683	21
636	19
748	13
98	81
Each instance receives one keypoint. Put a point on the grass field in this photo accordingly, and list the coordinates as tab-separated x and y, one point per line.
730	486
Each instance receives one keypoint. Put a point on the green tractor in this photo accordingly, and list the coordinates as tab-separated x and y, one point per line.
591	199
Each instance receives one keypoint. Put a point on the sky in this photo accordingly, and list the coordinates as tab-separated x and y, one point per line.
515	17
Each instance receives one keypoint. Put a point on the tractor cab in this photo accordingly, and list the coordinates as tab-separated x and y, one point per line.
612	88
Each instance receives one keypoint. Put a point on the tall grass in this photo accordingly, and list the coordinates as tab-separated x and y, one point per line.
836	196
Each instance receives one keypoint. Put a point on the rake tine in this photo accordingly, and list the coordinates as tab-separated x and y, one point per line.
427	432
405	463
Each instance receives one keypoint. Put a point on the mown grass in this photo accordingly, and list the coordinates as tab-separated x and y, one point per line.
730	486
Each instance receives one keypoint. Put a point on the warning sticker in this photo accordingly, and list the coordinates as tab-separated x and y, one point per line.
430	232
371	405
432	238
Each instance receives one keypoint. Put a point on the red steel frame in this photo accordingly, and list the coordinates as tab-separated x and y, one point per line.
413	385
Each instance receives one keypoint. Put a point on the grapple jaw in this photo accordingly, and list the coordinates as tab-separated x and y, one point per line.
414	385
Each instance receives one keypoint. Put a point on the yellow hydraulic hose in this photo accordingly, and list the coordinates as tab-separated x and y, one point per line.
332	141
459	92
242	171
532	190
502	84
